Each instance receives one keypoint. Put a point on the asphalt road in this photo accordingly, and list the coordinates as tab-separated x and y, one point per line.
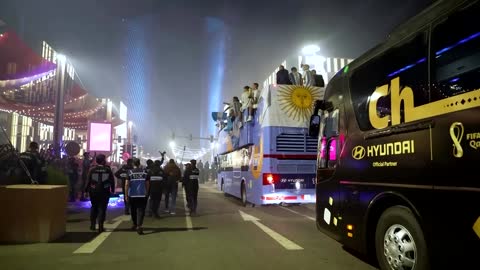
223	235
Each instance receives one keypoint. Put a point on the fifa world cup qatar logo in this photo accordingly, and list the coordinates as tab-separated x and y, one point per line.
456	133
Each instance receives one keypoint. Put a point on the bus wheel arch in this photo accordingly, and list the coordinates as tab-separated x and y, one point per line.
400	240
381	203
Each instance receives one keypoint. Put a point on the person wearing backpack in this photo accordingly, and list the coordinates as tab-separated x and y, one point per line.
138	188
173	173
157	187
100	185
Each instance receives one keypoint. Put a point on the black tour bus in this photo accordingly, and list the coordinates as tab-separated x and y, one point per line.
399	145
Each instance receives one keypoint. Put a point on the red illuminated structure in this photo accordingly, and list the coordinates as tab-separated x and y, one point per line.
29	84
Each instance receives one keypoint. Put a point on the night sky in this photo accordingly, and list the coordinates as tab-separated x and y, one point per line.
165	58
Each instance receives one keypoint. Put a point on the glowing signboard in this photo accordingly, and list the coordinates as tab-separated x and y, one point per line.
99	137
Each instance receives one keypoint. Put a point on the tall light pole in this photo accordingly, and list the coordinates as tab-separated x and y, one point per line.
129	132
59	102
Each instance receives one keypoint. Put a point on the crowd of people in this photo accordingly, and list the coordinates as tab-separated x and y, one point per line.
143	188
242	110
309	77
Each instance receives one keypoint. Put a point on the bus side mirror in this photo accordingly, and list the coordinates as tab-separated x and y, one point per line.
314	127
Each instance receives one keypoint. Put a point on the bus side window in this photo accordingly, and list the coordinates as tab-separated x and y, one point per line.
406	61
456	45
329	142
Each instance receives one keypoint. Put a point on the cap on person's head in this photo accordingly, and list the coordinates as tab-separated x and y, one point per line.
101	159
293	69
33	146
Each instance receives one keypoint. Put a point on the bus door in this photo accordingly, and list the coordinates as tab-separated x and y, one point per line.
328	206
237	180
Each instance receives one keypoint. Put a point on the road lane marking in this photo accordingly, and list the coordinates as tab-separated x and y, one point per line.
298	213
287	244
91	246
211	189
188	219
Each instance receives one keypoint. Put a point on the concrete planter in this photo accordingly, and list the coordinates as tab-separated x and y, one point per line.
33	213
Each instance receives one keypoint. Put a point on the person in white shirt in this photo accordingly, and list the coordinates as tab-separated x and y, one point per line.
246	99
308	79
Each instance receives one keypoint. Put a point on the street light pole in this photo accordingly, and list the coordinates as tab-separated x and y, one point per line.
129	133
59	102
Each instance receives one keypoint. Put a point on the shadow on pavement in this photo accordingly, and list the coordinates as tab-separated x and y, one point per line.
71	211
364	258
77	220
76	237
150	230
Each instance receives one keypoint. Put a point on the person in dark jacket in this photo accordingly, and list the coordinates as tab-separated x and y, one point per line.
86	164
99	186
157	186
72	177
188	167
318	79
191	185
34	163
282	76
122	173
173	176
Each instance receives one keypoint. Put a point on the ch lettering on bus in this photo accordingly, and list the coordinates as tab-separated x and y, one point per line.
410	112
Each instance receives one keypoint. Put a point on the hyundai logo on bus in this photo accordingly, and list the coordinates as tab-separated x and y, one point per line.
386	149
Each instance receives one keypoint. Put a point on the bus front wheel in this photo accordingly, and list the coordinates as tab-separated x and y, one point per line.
243	192
399	241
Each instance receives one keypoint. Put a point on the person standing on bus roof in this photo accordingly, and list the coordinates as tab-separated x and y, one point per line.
191	186
100	185
256	96
295	76
138	187
318	79
282	76
308	79
247	98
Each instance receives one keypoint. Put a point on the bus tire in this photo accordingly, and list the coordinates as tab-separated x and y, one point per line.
399	241
243	194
